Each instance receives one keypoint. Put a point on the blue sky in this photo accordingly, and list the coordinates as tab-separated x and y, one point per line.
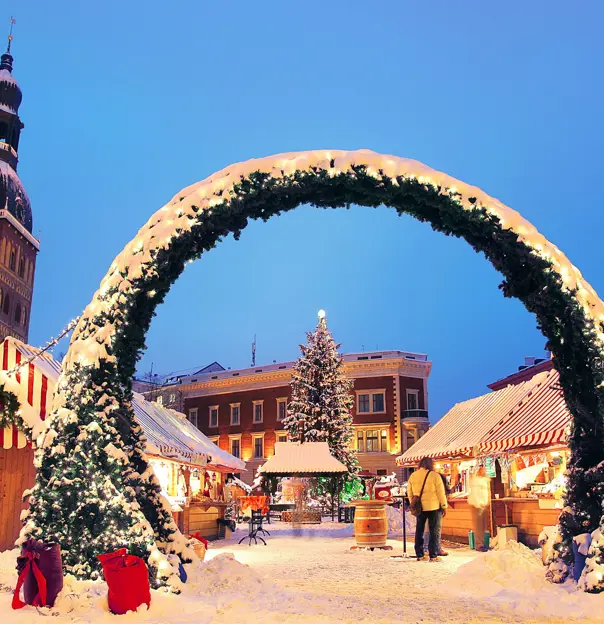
125	103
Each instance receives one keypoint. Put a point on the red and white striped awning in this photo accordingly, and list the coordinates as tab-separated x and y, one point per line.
462	430
541	421
33	380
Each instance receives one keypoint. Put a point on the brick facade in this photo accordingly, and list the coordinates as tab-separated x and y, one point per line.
391	373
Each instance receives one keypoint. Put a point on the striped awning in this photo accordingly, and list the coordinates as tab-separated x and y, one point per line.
541	421
467	425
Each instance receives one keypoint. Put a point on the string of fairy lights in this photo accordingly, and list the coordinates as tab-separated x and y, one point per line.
49	345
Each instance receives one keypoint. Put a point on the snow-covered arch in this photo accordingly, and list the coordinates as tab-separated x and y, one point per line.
91	411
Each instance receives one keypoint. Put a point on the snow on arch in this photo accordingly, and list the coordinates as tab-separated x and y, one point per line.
89	343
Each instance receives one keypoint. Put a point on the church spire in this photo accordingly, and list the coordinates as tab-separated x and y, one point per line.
6	60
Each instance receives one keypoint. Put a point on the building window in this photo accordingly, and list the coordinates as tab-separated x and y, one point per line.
381	472
281	409
21	266
412	399
364	403
18	313
235	407
236	447
214	416
172	398
160	400
258	447
371	441
282	437
258	411
193	416
12	263
410	437
371	402
378	402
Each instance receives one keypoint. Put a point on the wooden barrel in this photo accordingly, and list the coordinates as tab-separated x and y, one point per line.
370	523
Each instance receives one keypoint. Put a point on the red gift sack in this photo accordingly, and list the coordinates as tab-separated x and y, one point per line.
127	579
198	537
40	574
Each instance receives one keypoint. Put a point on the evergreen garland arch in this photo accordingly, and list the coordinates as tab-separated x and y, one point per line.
95	490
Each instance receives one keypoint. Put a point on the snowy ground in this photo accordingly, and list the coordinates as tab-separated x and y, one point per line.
311	575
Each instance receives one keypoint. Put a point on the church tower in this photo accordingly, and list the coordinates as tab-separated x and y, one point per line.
18	246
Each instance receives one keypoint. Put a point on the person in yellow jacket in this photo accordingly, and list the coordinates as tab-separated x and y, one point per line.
428	484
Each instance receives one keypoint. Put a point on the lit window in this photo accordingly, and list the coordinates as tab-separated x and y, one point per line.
258	448
371	441
236	448
258	411
235	414
360	442
160	400
384	440
214	416
364	403
193	416
281	409
410	437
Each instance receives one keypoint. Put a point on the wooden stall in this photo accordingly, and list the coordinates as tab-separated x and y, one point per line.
513	439
178	451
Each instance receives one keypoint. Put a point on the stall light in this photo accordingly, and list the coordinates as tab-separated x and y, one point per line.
556	453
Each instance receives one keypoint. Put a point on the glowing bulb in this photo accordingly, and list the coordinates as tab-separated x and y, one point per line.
321	314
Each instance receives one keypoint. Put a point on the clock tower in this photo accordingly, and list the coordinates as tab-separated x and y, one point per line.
18	246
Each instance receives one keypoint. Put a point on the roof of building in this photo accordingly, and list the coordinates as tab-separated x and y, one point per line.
293	458
525	414
169	434
12	193
202	375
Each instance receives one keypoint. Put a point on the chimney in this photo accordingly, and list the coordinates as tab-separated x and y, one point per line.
530	361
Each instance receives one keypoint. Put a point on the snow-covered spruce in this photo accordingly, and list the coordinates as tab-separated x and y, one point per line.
321	403
117	504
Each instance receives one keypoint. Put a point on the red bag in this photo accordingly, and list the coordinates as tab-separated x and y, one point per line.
197	536
40	574
127	578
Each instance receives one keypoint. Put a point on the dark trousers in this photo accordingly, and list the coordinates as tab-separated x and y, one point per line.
434	523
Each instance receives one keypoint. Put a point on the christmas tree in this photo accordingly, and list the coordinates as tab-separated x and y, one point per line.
319	410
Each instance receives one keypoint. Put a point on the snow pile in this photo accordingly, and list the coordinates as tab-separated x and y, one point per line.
512	565
225	575
514	577
8	569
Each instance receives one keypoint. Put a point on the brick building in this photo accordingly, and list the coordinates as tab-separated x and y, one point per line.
242	410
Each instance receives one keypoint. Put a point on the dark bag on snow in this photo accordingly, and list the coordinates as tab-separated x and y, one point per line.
40	574
415	504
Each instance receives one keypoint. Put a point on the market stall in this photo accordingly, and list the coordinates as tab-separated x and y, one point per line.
192	474
516	436
189	466
304	462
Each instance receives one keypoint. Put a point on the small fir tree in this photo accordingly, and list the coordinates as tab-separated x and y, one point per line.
321	404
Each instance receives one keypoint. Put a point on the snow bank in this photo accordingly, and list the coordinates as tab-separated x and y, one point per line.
224	575
514	576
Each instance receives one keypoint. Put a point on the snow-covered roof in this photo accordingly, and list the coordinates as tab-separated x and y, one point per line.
169	433
302	458
530	413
